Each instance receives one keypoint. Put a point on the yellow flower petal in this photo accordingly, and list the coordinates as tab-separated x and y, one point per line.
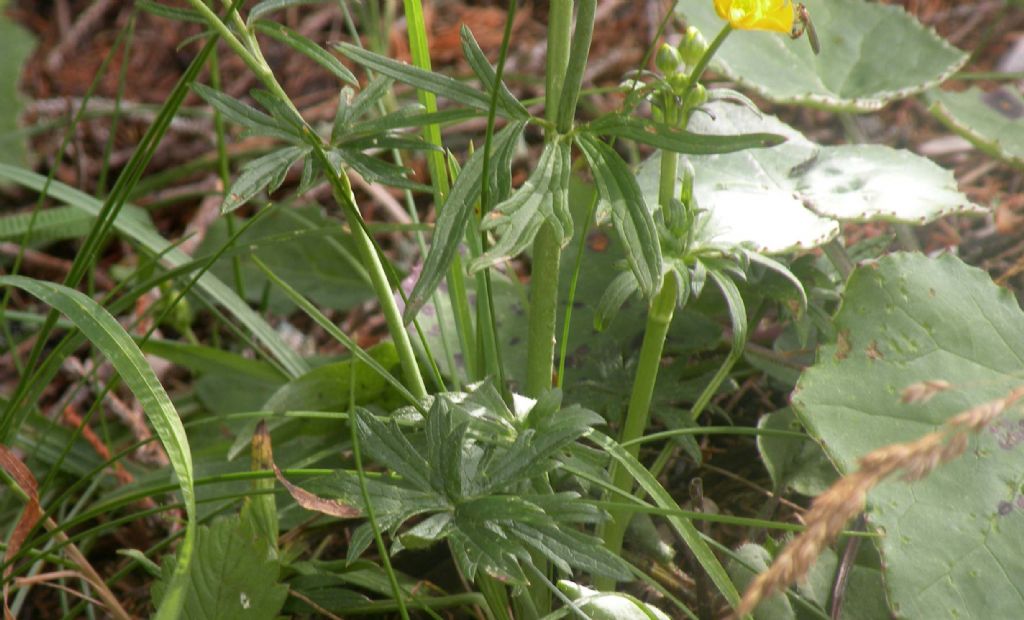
772	15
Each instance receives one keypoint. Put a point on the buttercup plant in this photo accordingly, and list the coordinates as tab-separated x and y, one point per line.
442	440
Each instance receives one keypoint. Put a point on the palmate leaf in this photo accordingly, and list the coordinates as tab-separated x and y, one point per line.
386	443
530	455
477	547
618	189
537	202
567	548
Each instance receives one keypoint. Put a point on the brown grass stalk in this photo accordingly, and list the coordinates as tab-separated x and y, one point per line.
845	499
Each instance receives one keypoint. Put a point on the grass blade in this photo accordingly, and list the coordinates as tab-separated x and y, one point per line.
107	335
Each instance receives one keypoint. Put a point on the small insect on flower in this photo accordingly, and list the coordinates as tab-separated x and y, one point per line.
801	24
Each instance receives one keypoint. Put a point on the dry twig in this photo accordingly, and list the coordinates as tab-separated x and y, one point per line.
845	499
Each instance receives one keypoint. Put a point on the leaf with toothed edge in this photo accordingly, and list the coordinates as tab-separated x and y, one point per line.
795	195
953	543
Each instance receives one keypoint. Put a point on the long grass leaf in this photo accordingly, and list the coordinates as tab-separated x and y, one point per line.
107	335
684	527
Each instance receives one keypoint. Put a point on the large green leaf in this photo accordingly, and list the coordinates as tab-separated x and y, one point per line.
870	54
795	195
233	577
990	120
329	387
15	46
953	543
864	594
107	335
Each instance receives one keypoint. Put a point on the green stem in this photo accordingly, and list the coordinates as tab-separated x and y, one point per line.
342	191
659	318
559	39
667	178
839	257
341	188
547	250
578	52
540	352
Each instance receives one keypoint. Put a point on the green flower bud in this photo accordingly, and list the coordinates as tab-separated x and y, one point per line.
697	97
693	46
678	82
668	59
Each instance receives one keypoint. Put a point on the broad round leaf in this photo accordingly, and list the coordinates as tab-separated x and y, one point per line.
990	120
953	543
794	196
870	54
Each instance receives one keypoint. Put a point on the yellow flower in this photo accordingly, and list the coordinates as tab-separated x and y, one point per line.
774	15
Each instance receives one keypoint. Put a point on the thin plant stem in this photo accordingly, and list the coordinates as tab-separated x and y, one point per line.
659	318
249	52
839	258
547	251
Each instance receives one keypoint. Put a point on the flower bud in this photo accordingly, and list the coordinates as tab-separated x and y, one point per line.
686	190
693	46
668	59
678	83
697	97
